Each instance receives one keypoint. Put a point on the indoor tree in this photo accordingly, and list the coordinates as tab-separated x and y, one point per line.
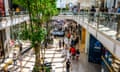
40	12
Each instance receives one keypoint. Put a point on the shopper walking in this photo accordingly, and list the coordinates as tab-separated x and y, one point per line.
77	54
15	58
60	44
66	41
68	54
63	43
55	42
68	65
73	52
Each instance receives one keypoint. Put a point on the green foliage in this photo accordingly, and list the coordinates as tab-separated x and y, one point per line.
45	7
40	11
24	34
36	69
36	36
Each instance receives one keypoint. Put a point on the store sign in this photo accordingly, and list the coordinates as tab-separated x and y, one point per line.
97	45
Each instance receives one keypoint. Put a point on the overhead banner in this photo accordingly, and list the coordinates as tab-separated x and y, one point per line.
61	3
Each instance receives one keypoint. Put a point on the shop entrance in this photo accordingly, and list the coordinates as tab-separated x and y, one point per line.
95	48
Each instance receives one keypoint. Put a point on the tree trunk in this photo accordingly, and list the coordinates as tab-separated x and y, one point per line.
37	54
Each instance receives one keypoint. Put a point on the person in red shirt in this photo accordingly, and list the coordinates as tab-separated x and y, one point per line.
73	52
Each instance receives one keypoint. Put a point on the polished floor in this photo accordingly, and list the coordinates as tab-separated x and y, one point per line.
54	55
84	66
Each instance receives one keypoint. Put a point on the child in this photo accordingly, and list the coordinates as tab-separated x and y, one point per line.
15	58
77	54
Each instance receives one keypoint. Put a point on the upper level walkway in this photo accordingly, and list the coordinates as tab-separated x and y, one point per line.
13	20
103	26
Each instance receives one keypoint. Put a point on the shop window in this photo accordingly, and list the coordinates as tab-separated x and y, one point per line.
110	62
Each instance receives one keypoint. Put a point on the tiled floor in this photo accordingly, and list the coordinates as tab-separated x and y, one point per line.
25	65
84	66
54	55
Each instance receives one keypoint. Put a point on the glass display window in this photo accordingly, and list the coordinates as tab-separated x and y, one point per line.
109	61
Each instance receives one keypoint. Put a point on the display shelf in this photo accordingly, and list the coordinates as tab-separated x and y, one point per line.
116	65
108	66
117	61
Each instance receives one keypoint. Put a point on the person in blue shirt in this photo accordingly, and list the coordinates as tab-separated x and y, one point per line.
118	10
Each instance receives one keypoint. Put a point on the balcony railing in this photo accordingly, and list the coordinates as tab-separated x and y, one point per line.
108	23
13	18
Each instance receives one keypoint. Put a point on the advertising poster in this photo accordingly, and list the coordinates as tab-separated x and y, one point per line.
2	11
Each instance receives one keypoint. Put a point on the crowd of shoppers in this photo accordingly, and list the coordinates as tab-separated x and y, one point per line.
70	44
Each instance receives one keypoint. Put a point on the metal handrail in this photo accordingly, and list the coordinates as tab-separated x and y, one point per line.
13	13
83	12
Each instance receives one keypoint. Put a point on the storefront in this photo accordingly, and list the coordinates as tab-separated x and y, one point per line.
109	62
2	40
95	48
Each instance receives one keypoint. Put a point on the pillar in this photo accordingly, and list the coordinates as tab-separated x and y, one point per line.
87	42
118	25
6	43
6	4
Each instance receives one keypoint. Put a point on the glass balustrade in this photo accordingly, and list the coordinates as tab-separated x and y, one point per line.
107	23
12	18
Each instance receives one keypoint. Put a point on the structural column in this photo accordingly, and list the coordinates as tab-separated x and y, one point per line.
87	42
118	25
6	43
6	4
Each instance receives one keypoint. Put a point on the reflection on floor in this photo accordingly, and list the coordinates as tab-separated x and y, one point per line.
58	63
84	66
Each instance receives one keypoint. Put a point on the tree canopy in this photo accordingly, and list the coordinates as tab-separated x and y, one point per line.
40	12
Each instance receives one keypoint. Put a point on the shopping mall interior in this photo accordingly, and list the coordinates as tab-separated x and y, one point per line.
59	36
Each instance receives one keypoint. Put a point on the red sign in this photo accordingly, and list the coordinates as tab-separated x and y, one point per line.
2	10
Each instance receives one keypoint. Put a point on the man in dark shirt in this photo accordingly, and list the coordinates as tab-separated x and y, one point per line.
68	65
